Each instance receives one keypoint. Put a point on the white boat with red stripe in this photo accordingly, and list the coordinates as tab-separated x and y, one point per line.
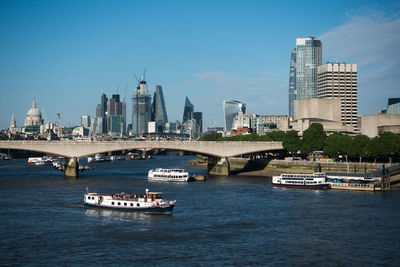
150	202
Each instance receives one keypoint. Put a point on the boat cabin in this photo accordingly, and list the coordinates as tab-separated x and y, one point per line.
153	196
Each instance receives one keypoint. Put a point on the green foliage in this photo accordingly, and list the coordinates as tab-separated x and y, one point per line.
358	147
276	135
332	144
313	139
390	143
291	141
211	137
374	148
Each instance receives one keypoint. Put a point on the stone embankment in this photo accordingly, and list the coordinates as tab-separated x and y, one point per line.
270	167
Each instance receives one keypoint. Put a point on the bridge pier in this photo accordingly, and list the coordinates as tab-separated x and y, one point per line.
218	166
71	167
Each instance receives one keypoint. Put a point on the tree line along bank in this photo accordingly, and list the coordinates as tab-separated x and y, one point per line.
358	148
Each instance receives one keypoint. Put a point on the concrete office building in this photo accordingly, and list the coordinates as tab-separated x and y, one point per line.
339	81
308	58
318	110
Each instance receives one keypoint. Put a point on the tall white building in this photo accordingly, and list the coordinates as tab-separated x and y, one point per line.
339	80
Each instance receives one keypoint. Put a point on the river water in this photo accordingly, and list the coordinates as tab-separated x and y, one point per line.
223	221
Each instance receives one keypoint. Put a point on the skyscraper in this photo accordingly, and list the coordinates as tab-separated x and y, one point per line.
231	109
198	116
292	85
141	109
116	115
188	110
101	113
308	58
158	110
339	80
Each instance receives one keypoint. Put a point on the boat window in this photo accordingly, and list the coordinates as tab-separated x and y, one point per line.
131	204
138	204
119	203
125	204
112	203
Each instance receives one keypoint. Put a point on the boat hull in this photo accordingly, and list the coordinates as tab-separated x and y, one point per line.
163	210
167	179
317	186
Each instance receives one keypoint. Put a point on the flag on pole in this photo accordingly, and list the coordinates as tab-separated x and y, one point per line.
86	189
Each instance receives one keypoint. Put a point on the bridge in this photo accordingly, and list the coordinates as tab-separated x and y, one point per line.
218	153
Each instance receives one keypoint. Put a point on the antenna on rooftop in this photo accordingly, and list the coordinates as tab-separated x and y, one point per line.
126	87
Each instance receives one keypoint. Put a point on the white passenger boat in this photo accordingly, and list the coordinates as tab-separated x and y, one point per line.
151	202
308	181
169	175
33	160
41	161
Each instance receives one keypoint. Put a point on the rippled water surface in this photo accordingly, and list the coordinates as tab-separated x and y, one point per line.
223	221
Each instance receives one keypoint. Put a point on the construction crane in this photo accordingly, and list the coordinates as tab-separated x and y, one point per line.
60	133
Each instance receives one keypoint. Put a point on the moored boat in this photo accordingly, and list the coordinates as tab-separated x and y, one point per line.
169	175
306	181
151	202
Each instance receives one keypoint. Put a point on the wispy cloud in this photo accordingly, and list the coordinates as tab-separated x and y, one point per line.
372	41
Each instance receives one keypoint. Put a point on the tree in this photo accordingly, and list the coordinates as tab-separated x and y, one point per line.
276	135
313	139
358	147
344	145
332	144
390	144
291	142
375	148
211	137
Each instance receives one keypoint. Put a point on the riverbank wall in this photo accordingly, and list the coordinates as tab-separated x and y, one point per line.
270	167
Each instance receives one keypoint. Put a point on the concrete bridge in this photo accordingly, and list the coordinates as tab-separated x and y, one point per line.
218	153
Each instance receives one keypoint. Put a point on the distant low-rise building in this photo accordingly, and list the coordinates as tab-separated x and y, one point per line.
215	129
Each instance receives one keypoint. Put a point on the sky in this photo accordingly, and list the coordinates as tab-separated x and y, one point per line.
67	53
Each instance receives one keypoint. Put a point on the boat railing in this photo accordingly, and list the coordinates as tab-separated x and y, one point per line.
353	185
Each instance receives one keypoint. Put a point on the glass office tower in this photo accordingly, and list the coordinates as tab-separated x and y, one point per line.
393	106
159	112
292	85
188	111
308	58
231	109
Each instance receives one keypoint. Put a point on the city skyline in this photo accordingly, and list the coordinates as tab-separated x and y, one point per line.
65	54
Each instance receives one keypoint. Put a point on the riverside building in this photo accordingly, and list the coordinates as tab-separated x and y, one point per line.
339	80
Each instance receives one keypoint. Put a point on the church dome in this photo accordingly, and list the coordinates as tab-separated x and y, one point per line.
33	117
34	112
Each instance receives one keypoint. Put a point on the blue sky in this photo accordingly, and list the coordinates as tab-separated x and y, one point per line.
66	53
